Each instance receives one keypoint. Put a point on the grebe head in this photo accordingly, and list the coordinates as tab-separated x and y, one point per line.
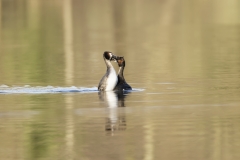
121	61
109	56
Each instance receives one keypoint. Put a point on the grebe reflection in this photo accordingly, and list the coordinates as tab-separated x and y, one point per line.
116	117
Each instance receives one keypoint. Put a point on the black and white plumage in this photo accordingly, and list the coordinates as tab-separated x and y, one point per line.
122	84
110	79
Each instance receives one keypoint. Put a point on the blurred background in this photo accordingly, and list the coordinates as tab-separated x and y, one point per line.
185	54
55	42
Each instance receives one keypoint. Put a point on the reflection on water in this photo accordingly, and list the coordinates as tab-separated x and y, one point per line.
184	55
114	121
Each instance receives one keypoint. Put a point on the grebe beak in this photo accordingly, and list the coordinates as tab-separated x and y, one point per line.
114	58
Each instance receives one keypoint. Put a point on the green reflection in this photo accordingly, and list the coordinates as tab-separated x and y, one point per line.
31	50
40	142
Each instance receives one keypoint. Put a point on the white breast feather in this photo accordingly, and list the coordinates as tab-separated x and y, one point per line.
112	80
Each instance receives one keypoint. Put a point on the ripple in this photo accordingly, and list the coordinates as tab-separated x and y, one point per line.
4	89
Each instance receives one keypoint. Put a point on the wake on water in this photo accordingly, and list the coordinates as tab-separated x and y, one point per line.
4	89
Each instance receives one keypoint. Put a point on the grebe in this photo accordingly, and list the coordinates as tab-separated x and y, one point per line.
110	79
122	84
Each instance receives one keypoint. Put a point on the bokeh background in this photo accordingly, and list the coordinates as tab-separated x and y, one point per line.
185	54
46	41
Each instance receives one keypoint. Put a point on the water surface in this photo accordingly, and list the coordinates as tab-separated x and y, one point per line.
182	59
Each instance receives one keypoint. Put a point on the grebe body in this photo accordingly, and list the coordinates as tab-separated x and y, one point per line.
122	84
110	79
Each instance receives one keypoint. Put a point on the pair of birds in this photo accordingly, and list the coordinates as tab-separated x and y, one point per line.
111	81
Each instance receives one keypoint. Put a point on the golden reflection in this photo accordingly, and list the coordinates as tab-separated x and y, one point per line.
34	14
68	41
149	140
69	137
69	75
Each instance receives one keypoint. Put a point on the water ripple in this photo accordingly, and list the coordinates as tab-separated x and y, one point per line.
4	89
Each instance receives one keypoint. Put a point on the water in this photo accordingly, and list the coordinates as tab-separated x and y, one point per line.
182	59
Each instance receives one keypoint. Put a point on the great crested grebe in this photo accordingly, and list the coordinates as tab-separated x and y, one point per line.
110	79
122	84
